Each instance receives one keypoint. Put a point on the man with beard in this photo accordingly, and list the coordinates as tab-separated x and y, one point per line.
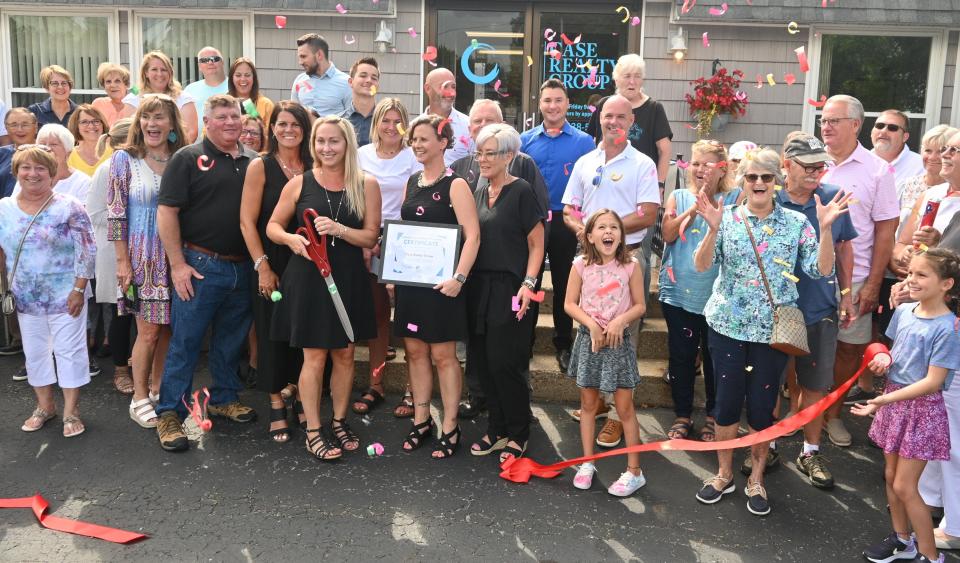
441	89
889	136
321	87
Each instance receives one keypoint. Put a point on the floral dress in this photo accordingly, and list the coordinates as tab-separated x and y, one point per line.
132	216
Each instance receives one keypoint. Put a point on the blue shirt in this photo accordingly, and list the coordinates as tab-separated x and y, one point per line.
920	342
818	297
681	285
555	156
7	180
327	94
45	114
739	307
200	91
361	123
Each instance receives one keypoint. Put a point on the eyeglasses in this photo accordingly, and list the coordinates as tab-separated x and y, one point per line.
950	149
809	168
213	59
752	178
58	84
892	127
832	121
29	146
598	177
90	123
21	125
249	133
488	155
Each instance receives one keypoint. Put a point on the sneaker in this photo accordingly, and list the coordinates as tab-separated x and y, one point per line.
602	413
891	548
235	411
21	374
757	499
858	395
584	477
814	466
94	368
773	462
11	349
838	433
710	494
923	559
611	434
627	484
170	433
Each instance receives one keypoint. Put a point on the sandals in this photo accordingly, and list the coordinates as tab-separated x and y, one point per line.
419	434
680	430
367	401
289	393
709	431
122	381
301	417
488	444
72	426
348	440
445	446
39	417
142	413
405	408
512	452
279	433
320	447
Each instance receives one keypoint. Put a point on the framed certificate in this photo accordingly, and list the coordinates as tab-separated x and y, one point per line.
418	254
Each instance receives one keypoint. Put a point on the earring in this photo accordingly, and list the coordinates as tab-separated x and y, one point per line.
172	137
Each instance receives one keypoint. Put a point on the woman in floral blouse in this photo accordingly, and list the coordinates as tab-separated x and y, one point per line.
56	262
739	314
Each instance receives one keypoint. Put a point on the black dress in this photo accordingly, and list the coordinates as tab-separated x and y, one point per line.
437	318
306	315
278	363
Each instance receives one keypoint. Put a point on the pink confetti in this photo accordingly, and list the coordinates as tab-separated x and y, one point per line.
673	278
549	34
566	169
687	6
198	410
592	78
613	285
706	39
719	11
280	21
802	59
577	213
683	225
549	215
464	140
349	39
448	171
759	81
568	41
420	210
640	210
436	196
592	108
412	32
789	78
412	327
880	310
634	21
429	54
515	304
815	103
762	247
341	9
688	332
681	164
754	283
538	296
202	162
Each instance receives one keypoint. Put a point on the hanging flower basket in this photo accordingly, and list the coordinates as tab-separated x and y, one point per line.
715	100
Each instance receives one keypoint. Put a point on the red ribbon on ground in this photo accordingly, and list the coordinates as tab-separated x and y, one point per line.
39	505
519	470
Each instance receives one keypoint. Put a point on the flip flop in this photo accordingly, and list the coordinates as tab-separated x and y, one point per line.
38	414
74	422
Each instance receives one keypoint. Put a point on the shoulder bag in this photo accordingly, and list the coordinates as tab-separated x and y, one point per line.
789	334
8	304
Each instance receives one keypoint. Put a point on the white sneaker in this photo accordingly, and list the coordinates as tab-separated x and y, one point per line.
838	433
584	477
627	484
143	414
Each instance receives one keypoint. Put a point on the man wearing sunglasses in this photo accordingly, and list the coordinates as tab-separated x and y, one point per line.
210	62
875	216
889	137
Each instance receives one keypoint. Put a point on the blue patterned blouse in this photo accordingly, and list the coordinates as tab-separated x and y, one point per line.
739	307
59	248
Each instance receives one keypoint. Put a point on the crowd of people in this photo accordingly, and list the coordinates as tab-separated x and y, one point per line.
166	213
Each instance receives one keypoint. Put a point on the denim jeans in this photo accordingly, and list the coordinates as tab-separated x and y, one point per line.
221	301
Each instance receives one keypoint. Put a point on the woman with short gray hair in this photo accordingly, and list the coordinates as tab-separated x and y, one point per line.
504	274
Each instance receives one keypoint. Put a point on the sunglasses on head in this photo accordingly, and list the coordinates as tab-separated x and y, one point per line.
211	59
752	178
892	127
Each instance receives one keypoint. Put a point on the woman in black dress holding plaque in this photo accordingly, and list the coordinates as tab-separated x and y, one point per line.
348	205
432	320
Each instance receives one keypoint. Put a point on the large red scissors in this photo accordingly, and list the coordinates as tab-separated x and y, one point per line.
317	251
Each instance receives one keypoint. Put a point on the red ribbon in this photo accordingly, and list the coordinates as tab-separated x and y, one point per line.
519	470
39	505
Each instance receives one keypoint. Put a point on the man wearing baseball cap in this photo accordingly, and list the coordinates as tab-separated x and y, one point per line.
805	161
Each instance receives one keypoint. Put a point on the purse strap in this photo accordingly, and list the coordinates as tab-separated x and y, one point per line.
763	274
16	257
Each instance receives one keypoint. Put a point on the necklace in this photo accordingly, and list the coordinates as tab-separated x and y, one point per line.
158	159
336	217
423	184
292	171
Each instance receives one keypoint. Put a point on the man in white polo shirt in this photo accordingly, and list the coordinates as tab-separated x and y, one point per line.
440	86
618	177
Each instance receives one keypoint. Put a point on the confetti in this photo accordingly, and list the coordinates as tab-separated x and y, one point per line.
754	283
429	54
412	327
592	77
569	41
566	170
400	129
770	79
845	291
349	39
640	212
673	278
622	138
683	226
695	231
687	6
538	296
305	85
923	247
759	82
790	276
592	108
202	162
280	21
767	229
635	21
341	9
719	11
616	177
706	39
496	88
443	124
789	78
373	90
577	213
276	296
612	286
880	310
682	165
514	303
802	58
529	60
412	32
762	247
375	449
793	28
448	171
420	210
198	410
549	215
465	141
688	332
748	369
815	103
549	34
782	262
250	108
626	12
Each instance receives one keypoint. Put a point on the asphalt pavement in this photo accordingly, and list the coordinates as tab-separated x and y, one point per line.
236	496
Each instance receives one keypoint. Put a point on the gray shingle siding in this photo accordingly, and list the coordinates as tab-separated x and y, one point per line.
926	13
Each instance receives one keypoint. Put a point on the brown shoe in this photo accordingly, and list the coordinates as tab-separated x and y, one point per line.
235	411
611	434
122	381
601	413
170	433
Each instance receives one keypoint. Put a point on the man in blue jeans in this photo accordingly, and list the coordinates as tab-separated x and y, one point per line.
199	204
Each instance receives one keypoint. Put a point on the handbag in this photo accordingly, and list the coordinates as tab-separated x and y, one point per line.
789	334
657	244
8	303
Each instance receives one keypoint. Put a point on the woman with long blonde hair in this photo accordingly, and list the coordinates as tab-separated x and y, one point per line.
157	77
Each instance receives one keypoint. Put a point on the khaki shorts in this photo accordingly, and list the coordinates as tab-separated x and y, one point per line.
861	330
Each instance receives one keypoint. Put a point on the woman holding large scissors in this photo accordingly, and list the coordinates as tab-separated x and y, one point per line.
316	314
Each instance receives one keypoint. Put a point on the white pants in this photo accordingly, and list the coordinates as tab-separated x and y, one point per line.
940	482
60	335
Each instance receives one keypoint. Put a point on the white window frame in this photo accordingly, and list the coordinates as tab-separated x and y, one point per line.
955	102
6	77
135	30
938	61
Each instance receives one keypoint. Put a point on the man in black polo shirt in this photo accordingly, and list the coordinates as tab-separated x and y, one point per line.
198	219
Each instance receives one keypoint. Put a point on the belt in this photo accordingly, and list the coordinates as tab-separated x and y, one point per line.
214	255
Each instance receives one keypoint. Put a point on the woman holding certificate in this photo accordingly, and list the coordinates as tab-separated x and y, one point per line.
431	320
347	204
500	290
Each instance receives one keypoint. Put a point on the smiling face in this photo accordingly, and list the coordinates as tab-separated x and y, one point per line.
90	126
426	144
888	144
251	134
616	119
605	235
158	75
704	170
114	86
389	128
243	80
330	145
441	89
837	129
60	152
481	116
34	177
156	126
493	163
931	158
21	126
553	107
223	125
923	281
210	62
59	87
287	130
950	158
366	80
804	176
758	183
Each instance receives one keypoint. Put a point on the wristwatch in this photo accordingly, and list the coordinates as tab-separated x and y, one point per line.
530	282
460	278
79	290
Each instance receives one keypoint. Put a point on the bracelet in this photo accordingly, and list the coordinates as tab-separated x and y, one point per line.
530	282
343	231
258	261
79	290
